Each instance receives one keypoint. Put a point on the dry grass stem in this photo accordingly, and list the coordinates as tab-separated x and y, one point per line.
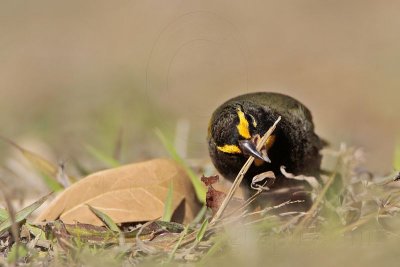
313	210
140	244
242	173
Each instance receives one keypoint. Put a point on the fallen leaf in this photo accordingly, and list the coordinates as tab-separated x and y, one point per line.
210	180
214	198
130	193
86	232
309	179
267	177
101	235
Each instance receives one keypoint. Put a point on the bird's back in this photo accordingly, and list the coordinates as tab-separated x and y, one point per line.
286	106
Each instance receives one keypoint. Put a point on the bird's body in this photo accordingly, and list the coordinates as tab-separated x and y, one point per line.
295	145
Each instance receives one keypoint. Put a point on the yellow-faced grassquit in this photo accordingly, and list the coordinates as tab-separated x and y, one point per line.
294	144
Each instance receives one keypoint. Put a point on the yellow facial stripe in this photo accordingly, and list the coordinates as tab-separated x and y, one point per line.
230	149
243	126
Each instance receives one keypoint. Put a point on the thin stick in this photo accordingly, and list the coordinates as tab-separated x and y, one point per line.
313	210
247	203
241	174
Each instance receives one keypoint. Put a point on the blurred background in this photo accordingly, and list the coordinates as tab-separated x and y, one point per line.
96	73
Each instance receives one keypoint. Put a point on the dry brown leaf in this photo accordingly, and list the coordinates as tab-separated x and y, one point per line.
129	193
215	197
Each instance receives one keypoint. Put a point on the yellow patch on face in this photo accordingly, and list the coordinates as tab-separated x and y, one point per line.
230	149
243	126
270	142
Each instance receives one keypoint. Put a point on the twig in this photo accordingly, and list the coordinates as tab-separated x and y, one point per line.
262	212
140	244
367	218
182	235
247	203
241	174
311	213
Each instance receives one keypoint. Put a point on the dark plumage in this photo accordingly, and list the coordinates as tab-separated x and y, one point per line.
296	145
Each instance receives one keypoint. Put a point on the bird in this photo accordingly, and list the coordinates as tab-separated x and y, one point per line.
233	130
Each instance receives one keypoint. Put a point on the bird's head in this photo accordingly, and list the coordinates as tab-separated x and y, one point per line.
235	128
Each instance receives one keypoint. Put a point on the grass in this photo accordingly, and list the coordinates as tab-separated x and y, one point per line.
198	186
21	215
353	213
168	210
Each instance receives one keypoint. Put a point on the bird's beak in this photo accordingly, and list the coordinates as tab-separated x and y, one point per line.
249	148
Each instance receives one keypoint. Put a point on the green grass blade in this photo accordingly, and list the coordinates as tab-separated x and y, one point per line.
200	215
168	204
102	157
219	242
183	234
46	168
202	231
105	219
18	251
51	183
22	214
3	215
199	188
